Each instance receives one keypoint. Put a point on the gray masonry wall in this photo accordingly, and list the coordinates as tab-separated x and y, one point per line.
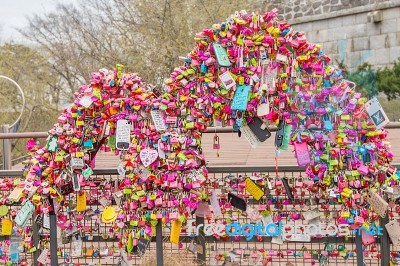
346	29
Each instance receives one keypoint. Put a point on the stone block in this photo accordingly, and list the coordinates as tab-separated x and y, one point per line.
394	54
374	28
348	20
379	41
319	25
334	23
389	25
323	36
305	27
394	39
361	18
381	56
391	13
350	31
330	47
360	44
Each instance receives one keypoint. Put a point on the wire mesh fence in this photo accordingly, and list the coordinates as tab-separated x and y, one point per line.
88	241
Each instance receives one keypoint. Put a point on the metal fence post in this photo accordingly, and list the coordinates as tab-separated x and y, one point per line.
6	149
35	239
201	256
159	243
53	235
359	250
385	242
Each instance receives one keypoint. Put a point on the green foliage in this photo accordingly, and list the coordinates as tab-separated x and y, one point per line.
364	77
389	81
33	73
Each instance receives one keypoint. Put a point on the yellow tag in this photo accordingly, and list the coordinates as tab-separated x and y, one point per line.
153	216
79	154
16	194
175	232
253	189
81	202
6	227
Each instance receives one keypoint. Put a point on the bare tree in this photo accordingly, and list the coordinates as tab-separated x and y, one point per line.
146	36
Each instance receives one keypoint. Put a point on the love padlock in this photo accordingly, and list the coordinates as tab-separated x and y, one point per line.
216	145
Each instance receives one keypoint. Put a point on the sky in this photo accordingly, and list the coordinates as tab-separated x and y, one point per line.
13	15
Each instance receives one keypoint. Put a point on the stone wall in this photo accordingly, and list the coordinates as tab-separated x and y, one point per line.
346	28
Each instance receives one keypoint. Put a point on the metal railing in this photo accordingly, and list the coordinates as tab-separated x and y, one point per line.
214	249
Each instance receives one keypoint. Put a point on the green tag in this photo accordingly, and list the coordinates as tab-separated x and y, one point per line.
87	172
286	137
52	145
111	141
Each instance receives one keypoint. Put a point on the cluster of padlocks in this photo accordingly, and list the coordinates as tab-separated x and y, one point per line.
249	72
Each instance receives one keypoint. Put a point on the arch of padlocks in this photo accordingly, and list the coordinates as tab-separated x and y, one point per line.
250	72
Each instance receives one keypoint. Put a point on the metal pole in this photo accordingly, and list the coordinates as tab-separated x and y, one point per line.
6	149
201	256
359	250
53	235
385	242
159	243
35	239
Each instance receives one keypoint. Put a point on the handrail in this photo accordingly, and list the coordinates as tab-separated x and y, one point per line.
211	170
23	135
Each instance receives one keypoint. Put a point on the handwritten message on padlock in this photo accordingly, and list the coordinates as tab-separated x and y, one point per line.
148	156
241	98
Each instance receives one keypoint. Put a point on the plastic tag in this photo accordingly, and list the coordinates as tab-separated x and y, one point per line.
16	194
227	80
260	129
158	120
286	137
81	202
376	113
76	163
263	109
24	214
46	221
75	182
249	135
148	156
123	137
43	257
302	154
86	101
6	227
393	229
221	54
379	205
175	231
253	189
241	98
215	205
